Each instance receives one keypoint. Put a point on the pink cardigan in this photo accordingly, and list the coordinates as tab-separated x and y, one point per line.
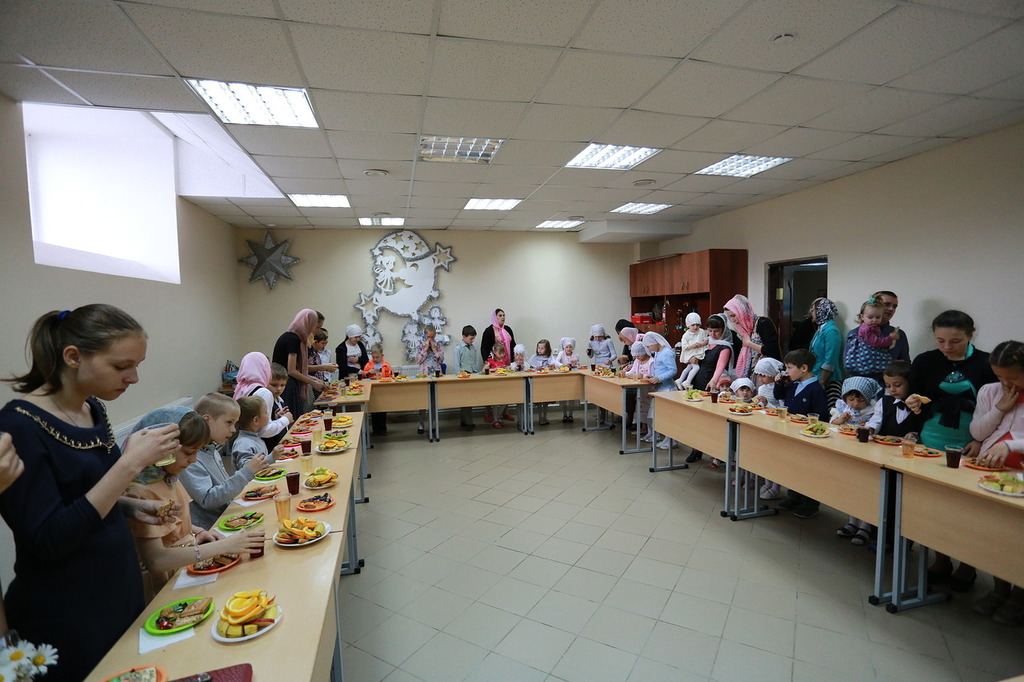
989	424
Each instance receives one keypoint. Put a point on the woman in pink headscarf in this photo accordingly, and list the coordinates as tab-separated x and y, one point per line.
291	352
754	336
253	379
497	332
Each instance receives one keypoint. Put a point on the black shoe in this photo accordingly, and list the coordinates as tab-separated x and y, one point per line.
419	430
565	419
632	428
694	456
787	505
468	427
571	418
806	511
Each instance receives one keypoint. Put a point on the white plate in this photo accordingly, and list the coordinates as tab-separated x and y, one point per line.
811	435
231	640
999	492
325	486
693	400
327	530
741	414
334	452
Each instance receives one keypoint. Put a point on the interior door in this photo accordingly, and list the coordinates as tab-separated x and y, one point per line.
792	287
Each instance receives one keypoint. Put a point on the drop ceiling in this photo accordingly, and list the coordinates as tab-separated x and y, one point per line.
850	85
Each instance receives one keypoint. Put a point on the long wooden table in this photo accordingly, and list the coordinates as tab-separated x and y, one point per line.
306	644
612	394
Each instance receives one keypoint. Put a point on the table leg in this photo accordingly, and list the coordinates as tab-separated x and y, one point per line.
354	563
337	668
625	426
902	597
879	594
433	429
752	507
671	460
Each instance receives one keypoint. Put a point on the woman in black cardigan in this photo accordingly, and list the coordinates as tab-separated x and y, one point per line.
353	340
497	329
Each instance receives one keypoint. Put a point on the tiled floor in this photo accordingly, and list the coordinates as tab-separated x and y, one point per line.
497	556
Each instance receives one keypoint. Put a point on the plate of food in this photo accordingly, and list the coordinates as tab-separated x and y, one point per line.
332	446
972	463
301	531
290	442
693	396
771	411
320	478
246	615
564	368
341	420
401	377
316	503
1002	484
741	410
178	616
240	521
336	433
290	452
263	492
386	380
847	429
887	440
305	423
818	430
302	434
798	418
140	673
354	393
221	562
269	474
726	401
922	451
462	375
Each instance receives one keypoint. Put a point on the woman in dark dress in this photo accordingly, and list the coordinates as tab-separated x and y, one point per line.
290	351
713	366
77	582
497	331
754	336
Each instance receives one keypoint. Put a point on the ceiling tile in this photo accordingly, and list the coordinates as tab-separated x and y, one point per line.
297	167
276	141
252	204
348	59
311	186
435	213
876	109
801	169
987	62
662	27
227	48
243	221
649	129
503	191
675	161
274	221
896	153
402	16
797	141
316	214
662	196
150	93
378	186
598	79
365	111
534	153
32	85
471	118
467	68
562	122
864	146
899	42
988	125
443	189
754	186
566	194
376	146
528	175
276	211
539	22
437	171
249	8
625	179
699	89
452	203
728	137
354	168
367	204
701	183
78	35
1011	88
794	100
943	119
1010	9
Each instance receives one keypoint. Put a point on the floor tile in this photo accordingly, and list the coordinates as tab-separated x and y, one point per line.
514	596
639	598
436	607
605	561
469	581
682	648
497	559
395	639
737	661
775	635
498	668
359	665
444	658
695	613
563	611
539	571
619	629
535	644
482	625
563	551
587	661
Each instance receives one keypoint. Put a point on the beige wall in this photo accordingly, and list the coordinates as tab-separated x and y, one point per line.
944	229
548	284
192	326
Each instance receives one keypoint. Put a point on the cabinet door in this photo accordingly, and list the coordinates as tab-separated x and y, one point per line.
699	268
636	280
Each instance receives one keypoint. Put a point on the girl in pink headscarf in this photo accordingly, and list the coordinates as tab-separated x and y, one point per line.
755	336
253	380
291	352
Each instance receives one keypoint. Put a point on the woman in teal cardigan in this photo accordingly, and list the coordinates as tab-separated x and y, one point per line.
827	346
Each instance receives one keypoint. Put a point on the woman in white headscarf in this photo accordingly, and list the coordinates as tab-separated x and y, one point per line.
663	371
351	353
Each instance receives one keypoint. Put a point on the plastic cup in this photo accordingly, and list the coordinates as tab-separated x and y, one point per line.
907	445
714	396
327	422
306	445
283	506
437	374
783	413
306	463
863	434
292	478
812	419
257	554
169	459
953	455
593	368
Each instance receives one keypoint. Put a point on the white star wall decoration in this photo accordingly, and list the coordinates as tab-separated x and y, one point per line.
269	260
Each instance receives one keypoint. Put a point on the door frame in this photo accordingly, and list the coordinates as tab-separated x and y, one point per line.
779	275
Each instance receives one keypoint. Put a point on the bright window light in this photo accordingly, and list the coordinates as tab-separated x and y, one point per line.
558	224
379	220
491	204
741	166
611	156
458	149
645	209
259	105
320	200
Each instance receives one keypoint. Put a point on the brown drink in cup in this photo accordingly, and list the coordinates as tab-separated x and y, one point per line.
714	396
257	554
292	478
327	422
953	455
306	445
863	434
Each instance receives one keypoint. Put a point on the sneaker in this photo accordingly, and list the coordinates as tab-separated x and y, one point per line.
646	438
714	463
769	493
488	418
861	538
664	443
806	511
787	505
694	456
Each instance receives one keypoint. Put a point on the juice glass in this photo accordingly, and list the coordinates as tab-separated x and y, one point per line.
907	445
812	419
306	463
283	506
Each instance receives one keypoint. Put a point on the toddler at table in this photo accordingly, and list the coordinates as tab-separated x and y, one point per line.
497	360
601	349
567	358
467	359
206	480
542	359
429	356
641	369
378	368
802	394
855	408
519	358
742	389
663	369
691	350
246	443
176	542
767	371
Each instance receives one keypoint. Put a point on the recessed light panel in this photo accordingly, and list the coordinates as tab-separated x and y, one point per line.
558	224
320	200
741	166
491	204
611	156
256	104
458	149
377	220
644	209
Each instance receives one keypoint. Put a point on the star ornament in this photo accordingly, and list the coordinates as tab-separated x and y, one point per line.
443	256
269	260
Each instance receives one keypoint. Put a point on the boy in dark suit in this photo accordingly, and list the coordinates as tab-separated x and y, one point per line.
802	394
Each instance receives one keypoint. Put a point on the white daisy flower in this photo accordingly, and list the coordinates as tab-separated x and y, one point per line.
45	655
18	655
7	671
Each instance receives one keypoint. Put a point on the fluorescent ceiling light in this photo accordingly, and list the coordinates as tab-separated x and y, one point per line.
458	149
645	209
611	156
380	220
740	166
559	224
320	200
256	104
491	204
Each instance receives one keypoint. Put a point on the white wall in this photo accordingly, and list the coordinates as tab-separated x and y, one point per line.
193	327
944	229
548	284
